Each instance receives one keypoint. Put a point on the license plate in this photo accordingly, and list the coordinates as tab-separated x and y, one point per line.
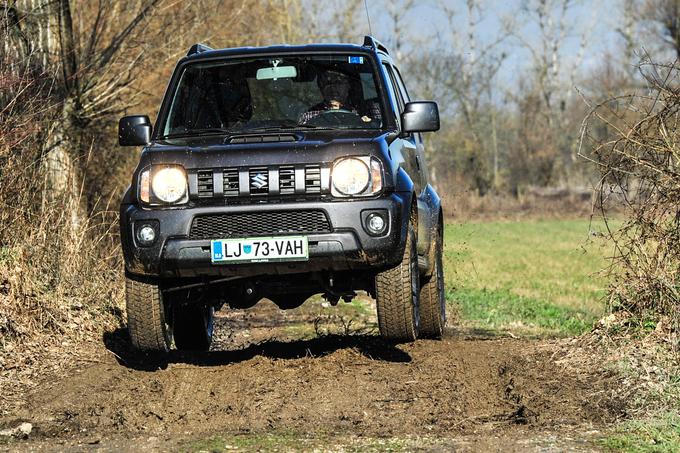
259	250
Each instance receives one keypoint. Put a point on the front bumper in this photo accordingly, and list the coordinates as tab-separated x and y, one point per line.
346	247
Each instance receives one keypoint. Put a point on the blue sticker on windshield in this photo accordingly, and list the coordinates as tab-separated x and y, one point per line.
356	60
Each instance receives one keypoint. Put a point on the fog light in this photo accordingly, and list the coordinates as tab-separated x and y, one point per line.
376	223
146	235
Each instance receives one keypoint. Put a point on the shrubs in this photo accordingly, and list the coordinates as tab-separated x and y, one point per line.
637	150
59	268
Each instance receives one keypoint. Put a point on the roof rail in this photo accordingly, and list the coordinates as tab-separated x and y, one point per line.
370	41
198	48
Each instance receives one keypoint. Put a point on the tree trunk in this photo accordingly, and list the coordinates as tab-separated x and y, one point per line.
62	177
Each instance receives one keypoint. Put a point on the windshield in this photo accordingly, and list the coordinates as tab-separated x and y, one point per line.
318	91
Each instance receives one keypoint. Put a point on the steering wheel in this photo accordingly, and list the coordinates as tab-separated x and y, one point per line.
328	112
339	117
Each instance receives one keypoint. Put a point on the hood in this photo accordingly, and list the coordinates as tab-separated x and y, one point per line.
279	148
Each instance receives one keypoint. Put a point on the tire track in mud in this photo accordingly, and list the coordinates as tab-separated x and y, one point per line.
260	379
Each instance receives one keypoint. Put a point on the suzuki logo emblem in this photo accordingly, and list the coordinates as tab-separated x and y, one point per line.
259	180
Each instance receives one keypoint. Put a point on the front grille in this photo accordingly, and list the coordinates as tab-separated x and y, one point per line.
230	180
221	226
205	184
312	179
287	180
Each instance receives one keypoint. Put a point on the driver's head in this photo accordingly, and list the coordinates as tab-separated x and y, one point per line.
334	86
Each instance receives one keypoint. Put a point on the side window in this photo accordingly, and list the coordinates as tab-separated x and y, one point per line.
397	100
399	89
395	88
402	86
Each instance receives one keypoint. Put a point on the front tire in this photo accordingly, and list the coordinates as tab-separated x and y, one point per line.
432	297
146	309
397	295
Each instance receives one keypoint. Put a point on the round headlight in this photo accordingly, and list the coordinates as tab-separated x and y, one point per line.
169	184
351	176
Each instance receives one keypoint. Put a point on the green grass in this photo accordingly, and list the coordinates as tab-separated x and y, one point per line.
656	435
537	277
503	310
252	442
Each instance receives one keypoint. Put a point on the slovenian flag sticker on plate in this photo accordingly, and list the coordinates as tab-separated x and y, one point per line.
217	251
356	60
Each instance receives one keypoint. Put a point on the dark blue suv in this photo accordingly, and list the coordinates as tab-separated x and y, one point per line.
281	172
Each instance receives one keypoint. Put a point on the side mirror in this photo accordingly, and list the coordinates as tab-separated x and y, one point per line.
420	116
134	130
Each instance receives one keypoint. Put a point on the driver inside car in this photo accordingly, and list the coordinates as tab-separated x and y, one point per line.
335	88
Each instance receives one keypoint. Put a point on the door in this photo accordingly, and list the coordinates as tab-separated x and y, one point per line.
411	148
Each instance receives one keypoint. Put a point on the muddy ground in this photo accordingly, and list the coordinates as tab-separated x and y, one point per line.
315	376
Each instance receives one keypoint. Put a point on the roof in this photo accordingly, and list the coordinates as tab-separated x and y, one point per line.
201	51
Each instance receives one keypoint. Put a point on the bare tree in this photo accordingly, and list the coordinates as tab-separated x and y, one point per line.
459	71
84	68
332	21
550	17
628	33
661	19
100	58
546	145
397	12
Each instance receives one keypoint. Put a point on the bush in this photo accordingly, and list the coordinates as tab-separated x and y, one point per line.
59	265
637	150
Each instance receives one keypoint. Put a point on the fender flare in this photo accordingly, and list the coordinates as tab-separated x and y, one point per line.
403	182
436	224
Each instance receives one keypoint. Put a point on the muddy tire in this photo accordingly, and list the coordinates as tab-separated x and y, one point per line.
397	296
193	327
146	314
432	298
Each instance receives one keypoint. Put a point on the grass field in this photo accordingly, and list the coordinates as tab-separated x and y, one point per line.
542	278
536	278
656	435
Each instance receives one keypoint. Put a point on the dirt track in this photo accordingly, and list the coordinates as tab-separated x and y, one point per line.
260	379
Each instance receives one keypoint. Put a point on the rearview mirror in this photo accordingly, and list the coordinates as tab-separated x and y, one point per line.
420	116
134	130
276	72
